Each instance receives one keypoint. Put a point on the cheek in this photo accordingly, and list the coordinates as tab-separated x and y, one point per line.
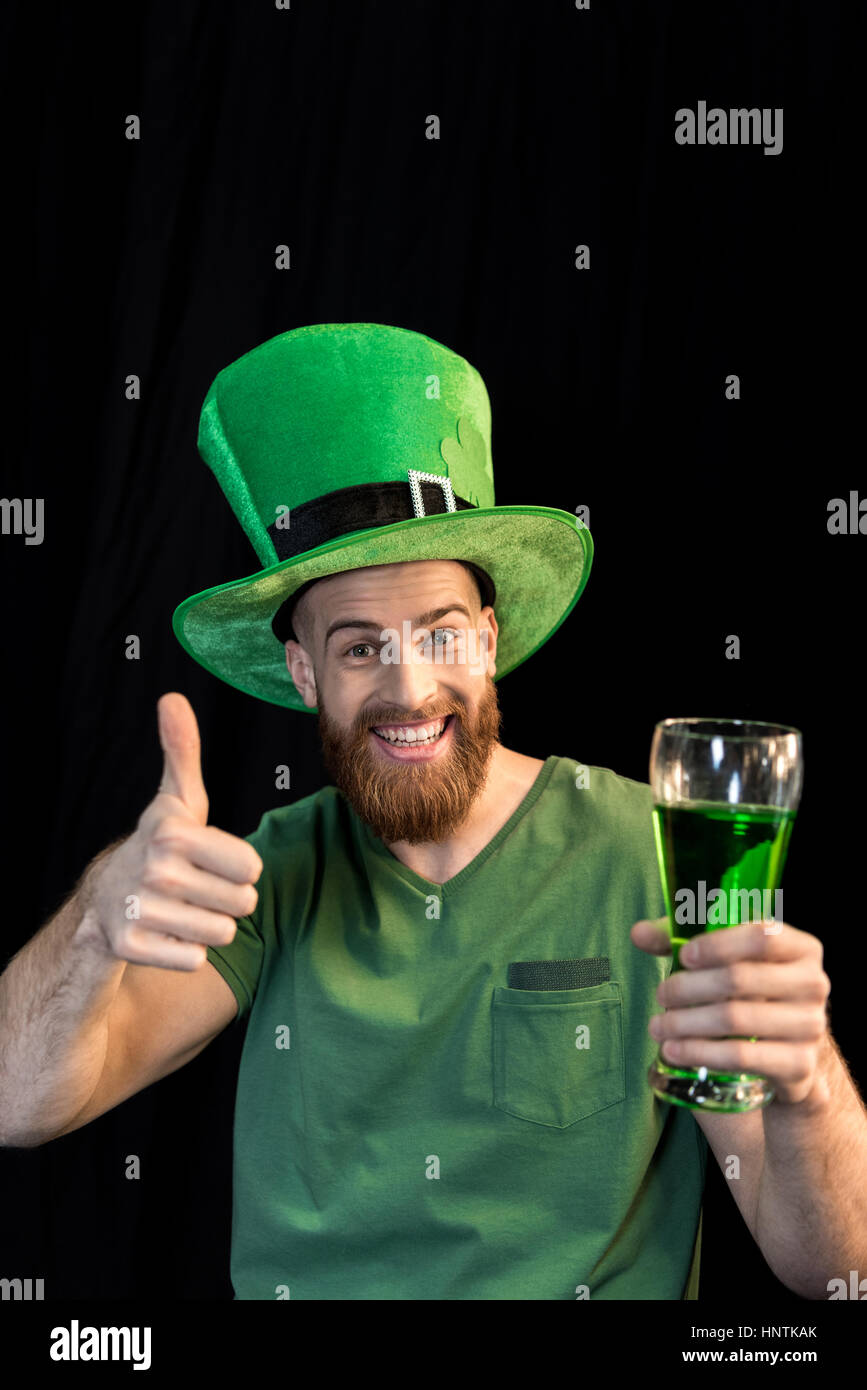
472	682
472	665
345	689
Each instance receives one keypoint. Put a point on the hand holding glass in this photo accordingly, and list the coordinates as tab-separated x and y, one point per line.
725	797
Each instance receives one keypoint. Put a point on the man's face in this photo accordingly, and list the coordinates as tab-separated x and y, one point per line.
403	649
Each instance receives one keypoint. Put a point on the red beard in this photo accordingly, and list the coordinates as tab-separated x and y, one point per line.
413	802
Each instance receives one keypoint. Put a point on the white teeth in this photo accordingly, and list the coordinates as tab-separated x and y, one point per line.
427	733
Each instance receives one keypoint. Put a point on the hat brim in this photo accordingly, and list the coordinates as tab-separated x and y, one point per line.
538	557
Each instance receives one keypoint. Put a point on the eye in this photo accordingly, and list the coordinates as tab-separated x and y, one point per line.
358	647
447	634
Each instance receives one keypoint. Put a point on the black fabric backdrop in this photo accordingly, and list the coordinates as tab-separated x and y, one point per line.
307	127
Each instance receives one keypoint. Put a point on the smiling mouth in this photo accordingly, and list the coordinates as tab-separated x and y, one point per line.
417	735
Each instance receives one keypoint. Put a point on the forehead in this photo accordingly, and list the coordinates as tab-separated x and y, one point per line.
413	585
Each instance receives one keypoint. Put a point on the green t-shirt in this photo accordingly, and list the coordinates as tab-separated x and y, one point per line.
414	1120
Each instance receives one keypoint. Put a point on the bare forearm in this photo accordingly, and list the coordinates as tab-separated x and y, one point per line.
811	1216
55	995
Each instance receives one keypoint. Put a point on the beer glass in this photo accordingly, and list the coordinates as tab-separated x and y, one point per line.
725	792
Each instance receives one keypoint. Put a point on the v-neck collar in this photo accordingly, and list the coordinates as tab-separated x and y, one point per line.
453	885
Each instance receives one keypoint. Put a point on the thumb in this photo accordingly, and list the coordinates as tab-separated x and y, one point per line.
652	936
182	754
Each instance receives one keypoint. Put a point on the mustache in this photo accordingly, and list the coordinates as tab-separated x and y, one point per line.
390	717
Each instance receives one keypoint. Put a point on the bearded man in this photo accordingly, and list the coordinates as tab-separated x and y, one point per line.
443	1086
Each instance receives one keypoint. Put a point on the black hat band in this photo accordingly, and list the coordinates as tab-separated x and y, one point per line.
361	508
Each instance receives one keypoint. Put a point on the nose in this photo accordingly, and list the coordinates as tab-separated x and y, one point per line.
406	684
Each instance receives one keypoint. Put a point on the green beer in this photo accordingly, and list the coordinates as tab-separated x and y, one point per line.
725	794
736	849
706	846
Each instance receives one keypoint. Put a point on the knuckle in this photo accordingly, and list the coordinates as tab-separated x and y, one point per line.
130	945
735	976
151	871
171	834
732	1015
145	911
163	879
169	842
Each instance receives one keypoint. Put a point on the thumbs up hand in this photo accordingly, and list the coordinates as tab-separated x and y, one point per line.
190	880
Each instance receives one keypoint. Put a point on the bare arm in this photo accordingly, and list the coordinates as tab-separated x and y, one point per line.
159	1021
55	996
99	1003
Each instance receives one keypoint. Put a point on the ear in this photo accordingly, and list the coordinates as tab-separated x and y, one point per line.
300	668
488	625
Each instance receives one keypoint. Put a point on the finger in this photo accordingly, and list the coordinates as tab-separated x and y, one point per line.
176	879
767	940
143	947
744	1018
745	979
184	921
783	1061
208	848
652	936
181	745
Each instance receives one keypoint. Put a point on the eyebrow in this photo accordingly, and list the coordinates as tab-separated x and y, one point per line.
423	620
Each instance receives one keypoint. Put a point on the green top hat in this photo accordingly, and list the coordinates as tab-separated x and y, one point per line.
342	445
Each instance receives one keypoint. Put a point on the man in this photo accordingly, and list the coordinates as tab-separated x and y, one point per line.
442	1092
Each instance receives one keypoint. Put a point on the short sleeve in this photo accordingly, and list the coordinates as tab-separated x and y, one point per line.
240	962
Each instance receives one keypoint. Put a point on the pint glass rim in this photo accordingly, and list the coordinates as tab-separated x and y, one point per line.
698	727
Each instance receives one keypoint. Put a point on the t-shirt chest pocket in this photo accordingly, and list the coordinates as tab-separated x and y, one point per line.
557	1053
